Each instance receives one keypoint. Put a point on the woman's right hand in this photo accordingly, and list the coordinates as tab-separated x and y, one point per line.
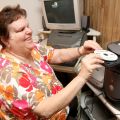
88	64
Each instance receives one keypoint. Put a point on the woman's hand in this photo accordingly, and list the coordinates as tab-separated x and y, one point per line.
88	64
88	47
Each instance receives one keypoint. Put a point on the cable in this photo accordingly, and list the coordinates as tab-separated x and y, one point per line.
99	94
82	38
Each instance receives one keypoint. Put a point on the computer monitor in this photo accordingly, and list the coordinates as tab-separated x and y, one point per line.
62	14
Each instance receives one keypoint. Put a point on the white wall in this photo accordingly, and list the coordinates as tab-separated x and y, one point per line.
33	8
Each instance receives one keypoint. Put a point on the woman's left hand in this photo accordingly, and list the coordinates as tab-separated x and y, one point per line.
88	47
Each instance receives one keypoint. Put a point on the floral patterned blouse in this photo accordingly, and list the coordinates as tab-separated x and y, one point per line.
22	87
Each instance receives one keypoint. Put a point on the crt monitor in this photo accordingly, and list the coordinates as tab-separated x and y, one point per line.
62	14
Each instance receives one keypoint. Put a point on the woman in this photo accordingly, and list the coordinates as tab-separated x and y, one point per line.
29	89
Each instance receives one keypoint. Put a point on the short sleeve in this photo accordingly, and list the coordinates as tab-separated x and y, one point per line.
46	51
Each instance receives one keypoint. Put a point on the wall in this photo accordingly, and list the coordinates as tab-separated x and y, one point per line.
105	17
33	9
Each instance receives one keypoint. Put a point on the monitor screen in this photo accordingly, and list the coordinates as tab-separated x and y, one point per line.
62	14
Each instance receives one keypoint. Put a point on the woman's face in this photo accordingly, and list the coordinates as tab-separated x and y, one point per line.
20	36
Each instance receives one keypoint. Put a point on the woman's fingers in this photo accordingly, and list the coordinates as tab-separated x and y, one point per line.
89	64
92	44
93	59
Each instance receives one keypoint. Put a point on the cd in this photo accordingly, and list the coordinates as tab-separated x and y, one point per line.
106	55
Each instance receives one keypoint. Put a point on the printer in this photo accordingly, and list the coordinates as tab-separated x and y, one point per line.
112	74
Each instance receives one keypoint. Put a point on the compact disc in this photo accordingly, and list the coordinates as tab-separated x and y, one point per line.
106	55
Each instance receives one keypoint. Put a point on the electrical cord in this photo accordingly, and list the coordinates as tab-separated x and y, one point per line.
82	38
99	94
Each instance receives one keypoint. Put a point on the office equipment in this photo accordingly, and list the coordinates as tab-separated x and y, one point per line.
112	74
106	55
85	23
97	78
66	39
62	14
109	94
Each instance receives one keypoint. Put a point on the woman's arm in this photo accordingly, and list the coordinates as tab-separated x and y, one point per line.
55	103
68	54
49	106
65	55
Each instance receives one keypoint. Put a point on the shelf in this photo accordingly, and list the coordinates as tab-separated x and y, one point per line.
114	109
